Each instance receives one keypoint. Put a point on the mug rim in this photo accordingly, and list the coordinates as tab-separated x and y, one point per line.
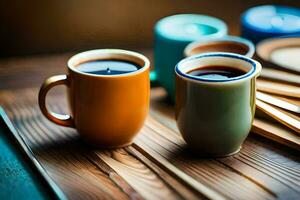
206	20
233	39
255	70
120	54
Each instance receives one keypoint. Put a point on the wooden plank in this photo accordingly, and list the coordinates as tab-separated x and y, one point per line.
267	177
280	116
276	133
279	75
30	71
179	174
271	182
178	186
163	145
139	176
54	144
63	160
262	170
290	100
278	88
278	102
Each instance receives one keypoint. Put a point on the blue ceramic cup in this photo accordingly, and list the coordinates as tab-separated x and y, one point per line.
261	22
172	35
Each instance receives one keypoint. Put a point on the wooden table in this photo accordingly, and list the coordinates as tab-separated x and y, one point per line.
156	166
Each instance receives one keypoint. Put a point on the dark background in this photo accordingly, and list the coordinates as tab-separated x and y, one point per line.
46	26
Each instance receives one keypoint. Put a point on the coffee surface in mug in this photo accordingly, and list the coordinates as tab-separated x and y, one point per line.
216	72
108	67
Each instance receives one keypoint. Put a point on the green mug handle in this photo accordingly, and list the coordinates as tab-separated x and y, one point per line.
153	79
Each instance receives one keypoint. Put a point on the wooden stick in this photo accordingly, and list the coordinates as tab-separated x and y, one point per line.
294	101
278	88
278	102
179	174
176	185
115	177
276	133
279	116
279	75
136	174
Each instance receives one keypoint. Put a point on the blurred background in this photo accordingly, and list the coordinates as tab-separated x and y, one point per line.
50	26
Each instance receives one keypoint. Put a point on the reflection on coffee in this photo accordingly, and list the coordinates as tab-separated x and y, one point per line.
216	72
108	67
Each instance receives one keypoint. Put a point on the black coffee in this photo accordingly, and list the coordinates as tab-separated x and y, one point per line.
108	67
216	72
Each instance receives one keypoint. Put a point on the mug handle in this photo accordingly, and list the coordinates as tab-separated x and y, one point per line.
63	120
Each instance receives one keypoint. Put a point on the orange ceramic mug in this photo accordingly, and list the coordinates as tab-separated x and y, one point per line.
107	110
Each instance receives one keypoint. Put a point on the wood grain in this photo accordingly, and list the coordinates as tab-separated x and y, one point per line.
177	186
142	179
290	100
170	150
276	133
53	144
278	88
57	158
280	116
279	102
161	145
279	75
262	170
243	163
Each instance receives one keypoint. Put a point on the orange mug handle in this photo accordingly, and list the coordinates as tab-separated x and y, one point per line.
63	120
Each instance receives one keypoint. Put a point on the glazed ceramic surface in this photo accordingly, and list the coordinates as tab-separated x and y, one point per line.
215	116
280	52
266	21
107	111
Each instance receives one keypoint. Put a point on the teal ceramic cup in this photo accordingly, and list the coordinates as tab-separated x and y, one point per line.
172	34
215	116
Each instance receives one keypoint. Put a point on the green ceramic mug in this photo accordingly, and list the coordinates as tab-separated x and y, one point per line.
215	116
